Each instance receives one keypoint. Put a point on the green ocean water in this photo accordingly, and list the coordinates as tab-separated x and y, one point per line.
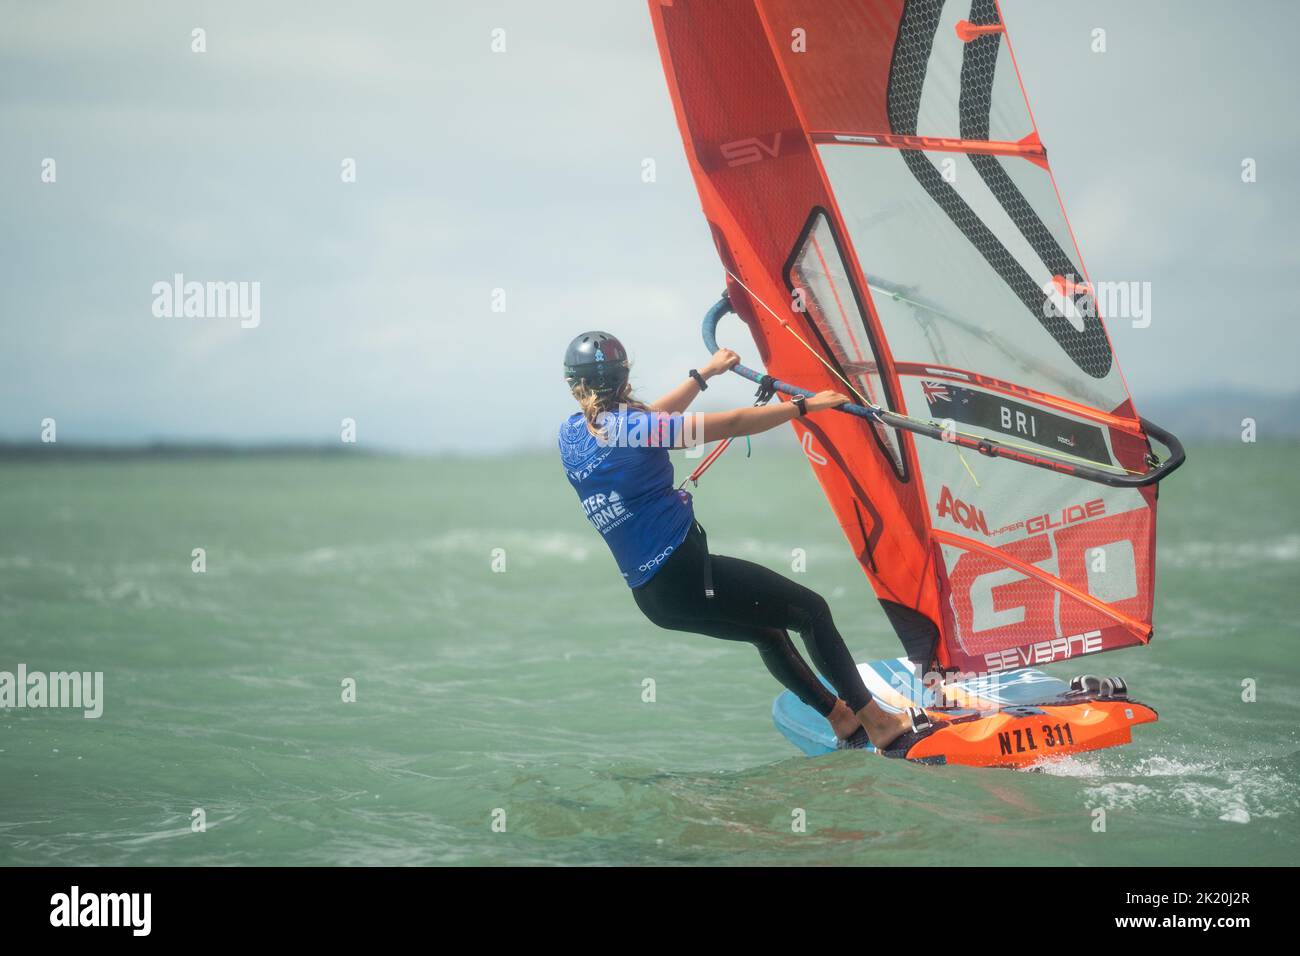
520	693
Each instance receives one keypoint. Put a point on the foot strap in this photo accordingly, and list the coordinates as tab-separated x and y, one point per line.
857	740
920	720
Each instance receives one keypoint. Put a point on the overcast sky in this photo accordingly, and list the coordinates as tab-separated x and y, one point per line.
522	171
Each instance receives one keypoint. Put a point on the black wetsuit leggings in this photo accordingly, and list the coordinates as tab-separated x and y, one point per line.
752	603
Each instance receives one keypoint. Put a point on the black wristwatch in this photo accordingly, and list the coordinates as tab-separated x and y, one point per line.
699	380
801	403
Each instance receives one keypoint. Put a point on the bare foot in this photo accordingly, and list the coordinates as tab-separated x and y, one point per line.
844	722
883	727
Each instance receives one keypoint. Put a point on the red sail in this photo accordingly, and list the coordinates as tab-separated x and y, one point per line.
873	178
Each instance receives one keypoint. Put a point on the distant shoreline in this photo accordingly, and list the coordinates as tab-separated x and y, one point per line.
69	451
1197	417
11	452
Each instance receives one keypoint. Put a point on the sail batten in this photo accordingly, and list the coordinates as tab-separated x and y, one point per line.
1030	149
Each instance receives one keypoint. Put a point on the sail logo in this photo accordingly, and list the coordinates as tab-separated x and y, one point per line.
1068	515
966	515
1044	652
742	152
813	455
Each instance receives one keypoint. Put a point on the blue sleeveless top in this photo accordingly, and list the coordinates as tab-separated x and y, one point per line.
625	484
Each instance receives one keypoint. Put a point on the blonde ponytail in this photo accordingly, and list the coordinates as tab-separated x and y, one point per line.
593	404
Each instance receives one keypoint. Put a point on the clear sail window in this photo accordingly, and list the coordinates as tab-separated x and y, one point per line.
819	280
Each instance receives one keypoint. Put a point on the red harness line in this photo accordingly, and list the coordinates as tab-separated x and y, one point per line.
763	396
709	459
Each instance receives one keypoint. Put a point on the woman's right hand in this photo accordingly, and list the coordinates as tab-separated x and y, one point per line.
826	400
723	360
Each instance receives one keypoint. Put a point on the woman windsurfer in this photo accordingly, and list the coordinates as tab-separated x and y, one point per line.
615	453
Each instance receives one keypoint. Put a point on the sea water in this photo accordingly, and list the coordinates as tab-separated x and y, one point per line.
378	660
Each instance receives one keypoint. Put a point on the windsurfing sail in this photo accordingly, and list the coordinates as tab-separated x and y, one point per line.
890	228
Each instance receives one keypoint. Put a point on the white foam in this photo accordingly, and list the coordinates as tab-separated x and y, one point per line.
1221	554
1199	789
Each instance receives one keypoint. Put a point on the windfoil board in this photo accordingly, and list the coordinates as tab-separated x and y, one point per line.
1012	719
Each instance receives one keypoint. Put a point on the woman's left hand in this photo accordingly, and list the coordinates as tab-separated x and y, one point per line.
724	360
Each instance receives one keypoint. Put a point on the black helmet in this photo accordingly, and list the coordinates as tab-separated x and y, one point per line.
596	359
